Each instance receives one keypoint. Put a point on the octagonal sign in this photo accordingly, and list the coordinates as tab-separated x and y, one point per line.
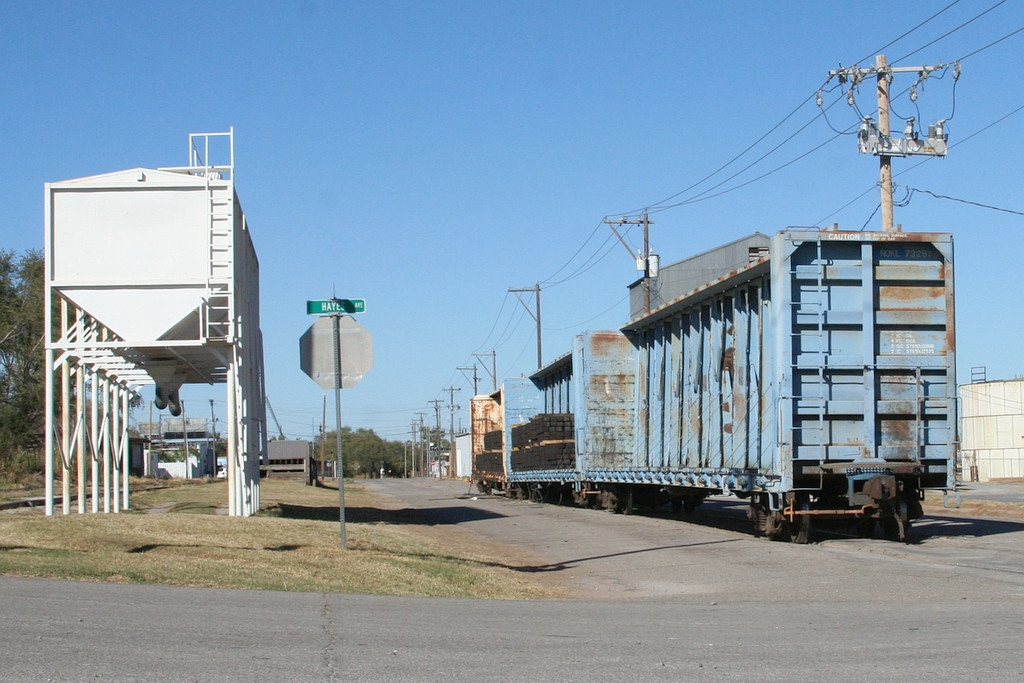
316	351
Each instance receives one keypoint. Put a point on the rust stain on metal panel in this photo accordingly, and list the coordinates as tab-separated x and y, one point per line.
487	434
729	360
611	387
925	296
897	432
603	342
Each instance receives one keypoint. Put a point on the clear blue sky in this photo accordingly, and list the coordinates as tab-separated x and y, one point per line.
429	156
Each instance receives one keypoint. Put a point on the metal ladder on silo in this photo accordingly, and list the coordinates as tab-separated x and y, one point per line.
818	307
218	318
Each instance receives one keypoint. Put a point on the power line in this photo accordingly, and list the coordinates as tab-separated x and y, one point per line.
912	190
949	33
599	254
993	43
603	249
896	40
663	205
548	280
704	194
584	322
495	324
507	333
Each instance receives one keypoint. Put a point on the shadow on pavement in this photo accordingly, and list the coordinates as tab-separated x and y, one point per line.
371	515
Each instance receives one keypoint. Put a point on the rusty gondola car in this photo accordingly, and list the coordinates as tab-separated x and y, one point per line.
812	373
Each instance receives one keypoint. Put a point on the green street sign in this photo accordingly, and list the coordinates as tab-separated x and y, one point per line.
331	306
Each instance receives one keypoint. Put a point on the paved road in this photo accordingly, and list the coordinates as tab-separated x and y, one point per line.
670	601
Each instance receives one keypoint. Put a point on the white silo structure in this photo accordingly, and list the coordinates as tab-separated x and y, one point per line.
151	279
992	445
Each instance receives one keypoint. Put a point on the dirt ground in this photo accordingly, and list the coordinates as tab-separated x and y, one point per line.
592	554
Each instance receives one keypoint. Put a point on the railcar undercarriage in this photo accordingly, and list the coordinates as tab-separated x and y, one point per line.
854	500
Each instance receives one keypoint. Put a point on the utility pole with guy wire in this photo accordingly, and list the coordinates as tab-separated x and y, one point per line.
646	262
535	314
493	372
475	380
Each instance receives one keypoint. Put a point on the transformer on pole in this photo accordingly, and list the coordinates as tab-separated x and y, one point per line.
876	138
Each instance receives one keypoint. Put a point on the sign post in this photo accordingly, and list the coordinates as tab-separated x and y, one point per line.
339	471
357	343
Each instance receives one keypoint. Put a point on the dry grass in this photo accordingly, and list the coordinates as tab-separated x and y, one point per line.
293	545
973	507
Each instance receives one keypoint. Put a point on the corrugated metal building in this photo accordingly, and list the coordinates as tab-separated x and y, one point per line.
993	430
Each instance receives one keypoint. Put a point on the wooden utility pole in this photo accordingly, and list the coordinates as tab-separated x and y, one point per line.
423	451
494	367
534	314
451	429
647	263
437	433
476	379
884	160
878	139
643	261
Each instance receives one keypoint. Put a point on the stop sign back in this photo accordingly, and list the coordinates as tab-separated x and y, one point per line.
316	351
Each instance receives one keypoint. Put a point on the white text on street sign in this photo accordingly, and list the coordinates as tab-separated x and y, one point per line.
330	306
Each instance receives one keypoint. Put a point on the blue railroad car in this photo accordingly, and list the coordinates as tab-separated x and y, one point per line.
812	373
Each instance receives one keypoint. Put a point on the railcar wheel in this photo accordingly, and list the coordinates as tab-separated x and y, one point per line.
536	493
774	525
903	521
897	525
800	527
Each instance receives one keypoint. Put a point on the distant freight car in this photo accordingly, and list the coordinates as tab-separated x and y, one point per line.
812	373
491	419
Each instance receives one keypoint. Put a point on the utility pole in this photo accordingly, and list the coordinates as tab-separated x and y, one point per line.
412	447
475	378
884	160
534	314
876	139
451	430
423	452
494	366
437	433
646	262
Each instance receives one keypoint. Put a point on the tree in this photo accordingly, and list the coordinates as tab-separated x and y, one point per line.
370	451
22	357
